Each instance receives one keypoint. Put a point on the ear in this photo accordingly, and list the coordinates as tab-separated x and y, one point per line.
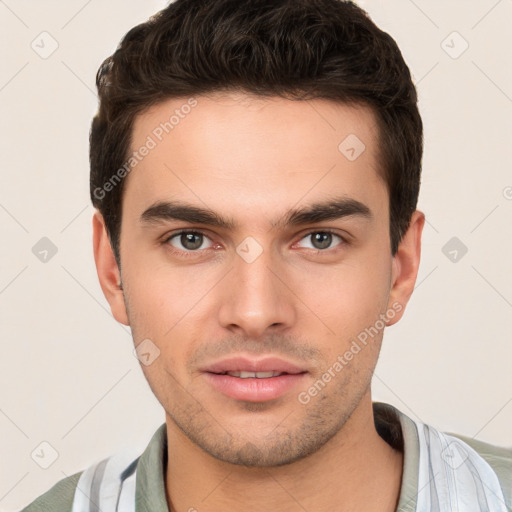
107	269
405	266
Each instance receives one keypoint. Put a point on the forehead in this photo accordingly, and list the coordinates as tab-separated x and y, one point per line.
244	152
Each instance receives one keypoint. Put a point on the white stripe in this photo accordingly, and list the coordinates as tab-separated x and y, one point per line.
111	483
127	498
81	502
462	480
110	486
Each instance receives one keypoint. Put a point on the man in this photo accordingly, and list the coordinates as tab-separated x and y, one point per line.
255	166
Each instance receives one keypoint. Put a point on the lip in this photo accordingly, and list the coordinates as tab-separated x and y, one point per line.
253	389
240	363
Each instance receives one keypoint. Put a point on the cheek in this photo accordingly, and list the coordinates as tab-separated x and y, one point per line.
347	296
162	294
169	306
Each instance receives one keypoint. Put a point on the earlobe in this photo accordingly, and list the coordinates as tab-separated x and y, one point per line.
406	262
107	269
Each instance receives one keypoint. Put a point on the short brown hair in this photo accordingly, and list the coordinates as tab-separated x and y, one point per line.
296	49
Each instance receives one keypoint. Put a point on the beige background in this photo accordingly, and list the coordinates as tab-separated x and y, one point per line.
68	375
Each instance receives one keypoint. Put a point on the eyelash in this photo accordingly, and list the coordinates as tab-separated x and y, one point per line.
183	253
191	254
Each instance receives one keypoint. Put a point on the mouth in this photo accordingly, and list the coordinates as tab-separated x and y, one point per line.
253	380
241	366
253	375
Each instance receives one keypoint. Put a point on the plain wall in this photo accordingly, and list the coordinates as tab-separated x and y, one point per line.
68	374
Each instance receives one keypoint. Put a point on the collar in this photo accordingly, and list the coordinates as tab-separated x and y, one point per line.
393	426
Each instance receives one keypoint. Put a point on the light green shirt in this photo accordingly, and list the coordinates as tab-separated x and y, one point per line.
393	426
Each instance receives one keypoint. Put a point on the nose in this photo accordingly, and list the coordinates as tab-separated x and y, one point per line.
256	298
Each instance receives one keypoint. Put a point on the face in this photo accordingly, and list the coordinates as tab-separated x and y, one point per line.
255	258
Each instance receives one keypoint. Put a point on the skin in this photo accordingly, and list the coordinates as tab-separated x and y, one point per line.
251	160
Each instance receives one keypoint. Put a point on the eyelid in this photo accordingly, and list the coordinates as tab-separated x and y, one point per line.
175	234
344	239
168	237
183	253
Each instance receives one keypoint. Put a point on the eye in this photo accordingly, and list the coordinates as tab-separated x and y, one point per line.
321	240
188	240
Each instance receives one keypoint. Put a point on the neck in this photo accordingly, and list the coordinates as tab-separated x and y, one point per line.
355	470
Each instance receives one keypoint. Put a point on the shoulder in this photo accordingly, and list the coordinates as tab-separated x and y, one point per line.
500	460
57	499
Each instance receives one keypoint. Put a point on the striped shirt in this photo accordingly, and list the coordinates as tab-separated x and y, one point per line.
442	473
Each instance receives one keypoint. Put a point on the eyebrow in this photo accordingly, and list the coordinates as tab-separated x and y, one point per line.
333	209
